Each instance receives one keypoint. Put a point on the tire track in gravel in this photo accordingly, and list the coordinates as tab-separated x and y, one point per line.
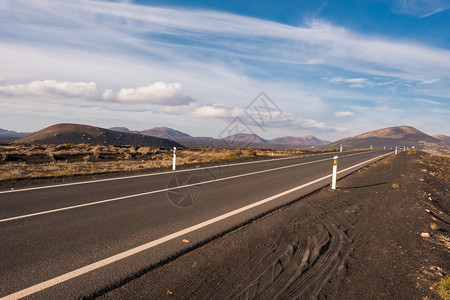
280	253
325	252
300	267
278	274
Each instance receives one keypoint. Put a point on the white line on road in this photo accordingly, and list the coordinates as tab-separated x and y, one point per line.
152	174
141	175
156	191
86	269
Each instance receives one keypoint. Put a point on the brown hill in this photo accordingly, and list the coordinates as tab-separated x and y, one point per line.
241	140
299	141
244	139
442	137
77	134
390	137
165	132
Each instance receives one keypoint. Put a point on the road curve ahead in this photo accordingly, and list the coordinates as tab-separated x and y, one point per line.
80	239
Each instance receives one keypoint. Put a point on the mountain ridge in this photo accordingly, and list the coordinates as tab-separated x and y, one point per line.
442	137
167	137
7	136
237	140
78	133
395	136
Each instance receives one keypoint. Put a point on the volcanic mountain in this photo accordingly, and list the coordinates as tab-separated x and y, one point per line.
165	132
299	141
238	140
442	137
7	136
76	134
390	137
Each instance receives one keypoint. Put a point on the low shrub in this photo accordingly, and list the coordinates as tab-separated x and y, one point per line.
444	287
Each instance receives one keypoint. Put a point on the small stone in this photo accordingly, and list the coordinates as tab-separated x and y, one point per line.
425	234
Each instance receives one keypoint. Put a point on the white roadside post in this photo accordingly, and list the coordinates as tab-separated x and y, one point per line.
341	148
396	151
333	180
174	158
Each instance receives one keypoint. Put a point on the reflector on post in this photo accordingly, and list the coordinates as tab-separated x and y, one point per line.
333	180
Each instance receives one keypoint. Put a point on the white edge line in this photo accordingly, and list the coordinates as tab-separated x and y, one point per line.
156	191
138	176
104	262
155	174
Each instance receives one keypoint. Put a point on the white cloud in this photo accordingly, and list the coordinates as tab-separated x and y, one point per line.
430	81
427	101
353	82
108	95
50	88
341	114
226	35
159	93
215	111
420	8
290	122
357	85
348	80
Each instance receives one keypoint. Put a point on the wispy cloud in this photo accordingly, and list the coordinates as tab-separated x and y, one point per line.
430	81
427	101
420	8
341	114
348	80
161	32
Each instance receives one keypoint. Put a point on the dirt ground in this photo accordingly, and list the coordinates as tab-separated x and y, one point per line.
383	234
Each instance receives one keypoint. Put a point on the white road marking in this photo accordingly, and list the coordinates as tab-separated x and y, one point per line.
155	192
104	262
147	175
142	175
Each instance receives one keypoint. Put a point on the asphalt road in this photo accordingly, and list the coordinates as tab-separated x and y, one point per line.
78	240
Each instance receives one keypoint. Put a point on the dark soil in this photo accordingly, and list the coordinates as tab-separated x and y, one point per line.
361	241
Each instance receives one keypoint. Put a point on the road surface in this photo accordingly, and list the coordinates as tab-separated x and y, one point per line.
81	239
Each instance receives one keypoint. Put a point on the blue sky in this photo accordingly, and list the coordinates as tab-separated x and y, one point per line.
330	68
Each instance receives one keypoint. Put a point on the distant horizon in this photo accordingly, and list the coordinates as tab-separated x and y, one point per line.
259	135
